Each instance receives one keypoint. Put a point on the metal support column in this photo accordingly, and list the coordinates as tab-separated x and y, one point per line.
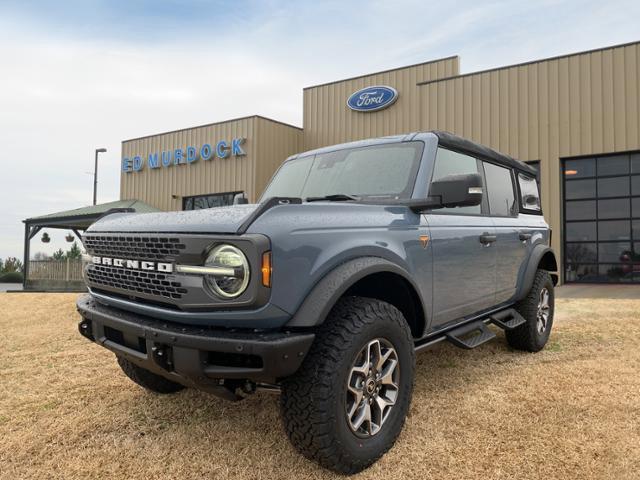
25	267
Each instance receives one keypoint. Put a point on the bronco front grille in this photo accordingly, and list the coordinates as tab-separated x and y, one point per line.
138	247
136	281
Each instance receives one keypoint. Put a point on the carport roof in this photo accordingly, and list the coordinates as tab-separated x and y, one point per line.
81	218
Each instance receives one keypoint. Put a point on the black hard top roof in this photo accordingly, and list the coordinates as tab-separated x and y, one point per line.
455	142
445	139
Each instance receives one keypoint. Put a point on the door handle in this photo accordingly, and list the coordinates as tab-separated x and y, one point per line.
487	239
525	236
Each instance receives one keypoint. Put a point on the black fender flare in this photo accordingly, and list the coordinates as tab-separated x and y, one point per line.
324	295
528	276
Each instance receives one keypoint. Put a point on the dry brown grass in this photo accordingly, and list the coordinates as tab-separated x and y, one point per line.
571	411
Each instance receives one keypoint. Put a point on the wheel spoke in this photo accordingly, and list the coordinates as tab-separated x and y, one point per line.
357	394
352	410
387	373
375	353
382	359
383	403
364	415
363	368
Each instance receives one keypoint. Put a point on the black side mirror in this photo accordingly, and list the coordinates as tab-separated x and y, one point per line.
240	199
458	190
451	191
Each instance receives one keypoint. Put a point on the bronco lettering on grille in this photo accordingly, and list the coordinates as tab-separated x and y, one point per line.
133	264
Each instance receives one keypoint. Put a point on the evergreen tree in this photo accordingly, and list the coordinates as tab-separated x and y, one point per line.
12	264
74	252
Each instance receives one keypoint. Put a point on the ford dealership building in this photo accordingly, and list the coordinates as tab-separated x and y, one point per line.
576	118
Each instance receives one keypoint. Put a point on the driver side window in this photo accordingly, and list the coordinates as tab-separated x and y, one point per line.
449	162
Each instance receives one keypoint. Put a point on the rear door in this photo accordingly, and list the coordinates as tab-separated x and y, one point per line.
463	246
512	239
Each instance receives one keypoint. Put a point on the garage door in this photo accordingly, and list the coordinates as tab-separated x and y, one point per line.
602	219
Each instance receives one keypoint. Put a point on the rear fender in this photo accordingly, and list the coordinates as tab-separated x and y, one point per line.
542	257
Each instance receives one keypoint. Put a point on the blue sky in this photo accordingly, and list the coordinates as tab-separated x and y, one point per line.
77	75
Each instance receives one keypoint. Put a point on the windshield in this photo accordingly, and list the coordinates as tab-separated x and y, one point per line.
382	171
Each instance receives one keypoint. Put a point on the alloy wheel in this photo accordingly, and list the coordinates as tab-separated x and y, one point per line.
372	387
544	309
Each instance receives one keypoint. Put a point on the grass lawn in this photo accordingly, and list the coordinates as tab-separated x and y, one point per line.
571	411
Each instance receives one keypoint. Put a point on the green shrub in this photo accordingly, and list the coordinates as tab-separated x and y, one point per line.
11	277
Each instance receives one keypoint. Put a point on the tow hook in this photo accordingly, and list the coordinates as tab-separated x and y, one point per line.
162	356
85	329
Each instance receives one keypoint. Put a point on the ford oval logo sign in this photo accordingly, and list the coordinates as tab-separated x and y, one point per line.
371	99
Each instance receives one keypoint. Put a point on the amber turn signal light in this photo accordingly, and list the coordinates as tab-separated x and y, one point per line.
266	269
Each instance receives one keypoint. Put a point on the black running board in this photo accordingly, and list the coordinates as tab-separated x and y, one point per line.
470	336
474	332
507	319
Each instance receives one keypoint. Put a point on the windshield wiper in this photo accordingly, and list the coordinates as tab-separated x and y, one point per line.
336	197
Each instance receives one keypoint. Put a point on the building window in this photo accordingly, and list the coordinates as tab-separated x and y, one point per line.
602	219
212	200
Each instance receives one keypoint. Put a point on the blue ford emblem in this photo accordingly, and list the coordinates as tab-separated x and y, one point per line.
371	99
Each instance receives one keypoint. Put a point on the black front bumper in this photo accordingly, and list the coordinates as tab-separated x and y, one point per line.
193	356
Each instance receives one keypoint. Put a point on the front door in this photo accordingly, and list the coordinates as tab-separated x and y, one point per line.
464	265
463	245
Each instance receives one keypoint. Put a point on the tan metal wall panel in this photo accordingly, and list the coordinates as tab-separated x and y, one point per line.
158	187
582	104
632	91
327	119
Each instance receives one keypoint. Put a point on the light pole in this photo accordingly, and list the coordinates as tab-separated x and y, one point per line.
95	175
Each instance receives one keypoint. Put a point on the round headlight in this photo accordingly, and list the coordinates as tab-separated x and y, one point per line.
234	271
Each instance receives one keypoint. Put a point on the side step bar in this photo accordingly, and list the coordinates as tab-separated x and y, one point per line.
475	332
471	335
507	319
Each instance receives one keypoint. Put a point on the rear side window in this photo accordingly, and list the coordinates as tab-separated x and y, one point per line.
500	191
449	162
529	194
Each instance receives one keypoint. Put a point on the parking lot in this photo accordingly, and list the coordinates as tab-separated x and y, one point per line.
571	411
10	286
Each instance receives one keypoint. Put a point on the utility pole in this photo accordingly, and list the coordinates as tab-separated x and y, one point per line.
95	175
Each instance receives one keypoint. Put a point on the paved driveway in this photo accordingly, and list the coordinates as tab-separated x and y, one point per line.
594	290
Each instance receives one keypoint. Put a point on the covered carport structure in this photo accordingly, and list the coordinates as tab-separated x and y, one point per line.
77	221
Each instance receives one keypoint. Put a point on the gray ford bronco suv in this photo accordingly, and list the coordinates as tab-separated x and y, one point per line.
356	257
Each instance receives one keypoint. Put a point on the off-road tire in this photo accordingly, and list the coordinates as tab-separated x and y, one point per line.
527	337
146	379
313	399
